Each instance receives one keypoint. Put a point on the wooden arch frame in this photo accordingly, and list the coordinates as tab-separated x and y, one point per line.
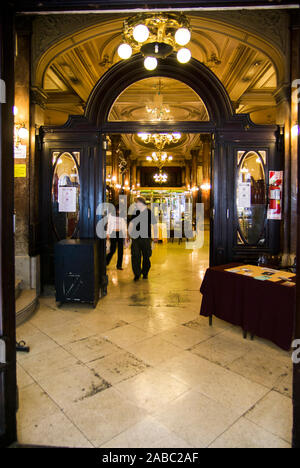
194	74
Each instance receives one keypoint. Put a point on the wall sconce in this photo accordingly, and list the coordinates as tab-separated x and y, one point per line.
21	133
295	130
205	187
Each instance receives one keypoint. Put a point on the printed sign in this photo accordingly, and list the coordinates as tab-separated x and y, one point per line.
20	170
244	195
20	152
67	197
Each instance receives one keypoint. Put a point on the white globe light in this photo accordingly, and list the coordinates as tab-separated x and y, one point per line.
23	133
184	55
150	63
125	51
140	33
182	36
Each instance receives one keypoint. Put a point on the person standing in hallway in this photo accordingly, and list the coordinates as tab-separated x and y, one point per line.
116	234
140	231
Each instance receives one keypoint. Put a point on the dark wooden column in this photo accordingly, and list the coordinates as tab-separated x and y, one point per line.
194	154
206	139
296	381
115	148
133	173
188	181
7	273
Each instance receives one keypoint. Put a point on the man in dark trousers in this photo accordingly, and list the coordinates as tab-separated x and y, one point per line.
140	231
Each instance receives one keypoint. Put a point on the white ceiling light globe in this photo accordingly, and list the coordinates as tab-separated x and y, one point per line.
140	33
184	55
150	63
125	51
182	36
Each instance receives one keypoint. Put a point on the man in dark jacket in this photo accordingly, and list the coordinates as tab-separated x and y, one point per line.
140	231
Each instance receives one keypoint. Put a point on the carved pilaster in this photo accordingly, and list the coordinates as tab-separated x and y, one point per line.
38	97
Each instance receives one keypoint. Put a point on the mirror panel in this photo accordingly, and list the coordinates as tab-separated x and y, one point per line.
65	196
251	198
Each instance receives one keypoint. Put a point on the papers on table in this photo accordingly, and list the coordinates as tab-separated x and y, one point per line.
264	274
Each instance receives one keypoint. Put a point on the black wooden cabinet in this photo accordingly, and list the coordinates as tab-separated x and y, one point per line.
77	271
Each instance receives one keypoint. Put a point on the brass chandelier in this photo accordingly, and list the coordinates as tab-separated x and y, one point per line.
160	178
159	158
156	35
160	140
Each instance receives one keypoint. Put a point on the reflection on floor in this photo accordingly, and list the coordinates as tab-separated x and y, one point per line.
144	370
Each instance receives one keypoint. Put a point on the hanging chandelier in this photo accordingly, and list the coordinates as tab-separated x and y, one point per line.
157	110
159	158
156	36
160	140
160	178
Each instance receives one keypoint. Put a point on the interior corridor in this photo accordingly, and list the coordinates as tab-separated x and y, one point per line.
144	370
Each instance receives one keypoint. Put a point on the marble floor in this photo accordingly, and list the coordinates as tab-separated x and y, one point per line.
143	369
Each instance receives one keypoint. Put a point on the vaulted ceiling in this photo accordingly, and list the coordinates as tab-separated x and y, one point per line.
247	73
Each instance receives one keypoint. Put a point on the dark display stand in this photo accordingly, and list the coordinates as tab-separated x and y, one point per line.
77	271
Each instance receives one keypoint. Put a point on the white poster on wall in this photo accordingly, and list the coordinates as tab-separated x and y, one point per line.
244	195
20	152
67	197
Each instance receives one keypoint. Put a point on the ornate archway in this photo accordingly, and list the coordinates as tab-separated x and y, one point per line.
194	74
233	133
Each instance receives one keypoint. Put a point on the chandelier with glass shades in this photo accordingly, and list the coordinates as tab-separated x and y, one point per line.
159	158
160	178
156	36
160	140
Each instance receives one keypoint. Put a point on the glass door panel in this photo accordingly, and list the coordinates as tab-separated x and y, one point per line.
251	198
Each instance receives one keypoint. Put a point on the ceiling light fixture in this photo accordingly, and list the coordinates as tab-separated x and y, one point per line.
160	140
156	36
160	178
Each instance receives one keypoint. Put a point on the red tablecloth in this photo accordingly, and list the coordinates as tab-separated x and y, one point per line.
263	308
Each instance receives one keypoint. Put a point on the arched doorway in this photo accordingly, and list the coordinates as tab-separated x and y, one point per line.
234	136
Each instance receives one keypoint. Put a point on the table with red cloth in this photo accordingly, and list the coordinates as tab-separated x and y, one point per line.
262	308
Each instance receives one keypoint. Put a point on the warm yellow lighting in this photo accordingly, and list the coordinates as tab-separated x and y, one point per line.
150	63
182	36
124	51
205	187
23	133
184	55
160	140
295	130
140	33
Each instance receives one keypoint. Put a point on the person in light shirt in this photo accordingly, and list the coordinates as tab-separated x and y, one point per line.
116	234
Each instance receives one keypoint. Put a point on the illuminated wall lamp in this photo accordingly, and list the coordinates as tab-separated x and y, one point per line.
21	133
295	130
205	187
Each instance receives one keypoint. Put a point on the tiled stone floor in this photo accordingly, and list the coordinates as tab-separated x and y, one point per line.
144	370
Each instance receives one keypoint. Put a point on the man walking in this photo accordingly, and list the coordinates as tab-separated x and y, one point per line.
140	231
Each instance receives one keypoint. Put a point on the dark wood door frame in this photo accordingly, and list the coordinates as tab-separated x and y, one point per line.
7	277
